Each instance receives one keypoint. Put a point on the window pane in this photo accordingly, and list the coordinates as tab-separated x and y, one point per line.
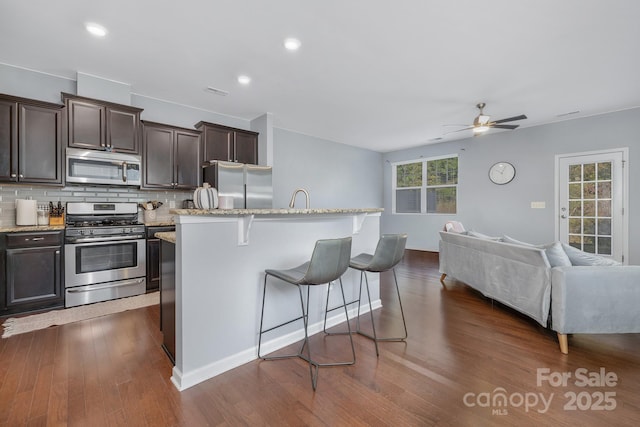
409	175
442	171
441	200
408	201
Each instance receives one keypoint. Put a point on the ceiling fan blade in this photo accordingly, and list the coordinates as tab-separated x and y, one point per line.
511	119
504	126
457	130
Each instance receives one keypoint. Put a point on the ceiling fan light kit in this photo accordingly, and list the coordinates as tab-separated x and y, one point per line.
482	123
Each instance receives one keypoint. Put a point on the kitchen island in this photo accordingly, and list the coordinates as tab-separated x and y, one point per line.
220	258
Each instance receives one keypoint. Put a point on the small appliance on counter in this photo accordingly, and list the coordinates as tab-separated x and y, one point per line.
26	212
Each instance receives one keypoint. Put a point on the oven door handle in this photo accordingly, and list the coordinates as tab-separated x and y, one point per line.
95	288
103	239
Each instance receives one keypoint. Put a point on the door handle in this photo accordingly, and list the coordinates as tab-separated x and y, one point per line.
563	216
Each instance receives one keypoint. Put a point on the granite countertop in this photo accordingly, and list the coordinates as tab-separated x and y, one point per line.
167	236
22	228
223	212
160	223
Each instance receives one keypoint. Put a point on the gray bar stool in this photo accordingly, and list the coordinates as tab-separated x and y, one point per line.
388	254
329	261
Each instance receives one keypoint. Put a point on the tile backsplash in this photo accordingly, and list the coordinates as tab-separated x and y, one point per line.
43	195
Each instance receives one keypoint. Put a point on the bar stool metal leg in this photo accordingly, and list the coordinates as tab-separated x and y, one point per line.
312	276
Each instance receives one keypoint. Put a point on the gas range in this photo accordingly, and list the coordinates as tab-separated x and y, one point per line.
105	252
108	221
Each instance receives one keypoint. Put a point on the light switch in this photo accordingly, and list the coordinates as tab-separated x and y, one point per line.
538	205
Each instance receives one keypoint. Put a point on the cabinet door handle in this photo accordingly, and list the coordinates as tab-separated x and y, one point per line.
34	239
13	175
21	176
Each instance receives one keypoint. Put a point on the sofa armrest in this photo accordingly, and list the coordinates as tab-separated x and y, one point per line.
595	299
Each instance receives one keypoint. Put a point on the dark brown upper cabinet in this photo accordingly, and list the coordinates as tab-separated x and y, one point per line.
102	125
30	141
172	157
228	144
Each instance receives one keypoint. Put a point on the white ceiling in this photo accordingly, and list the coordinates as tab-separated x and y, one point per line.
379	74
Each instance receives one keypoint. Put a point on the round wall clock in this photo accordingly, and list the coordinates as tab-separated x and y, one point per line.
502	173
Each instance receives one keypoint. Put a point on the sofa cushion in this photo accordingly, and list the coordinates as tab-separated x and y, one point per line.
513	241
556	255
483	236
578	257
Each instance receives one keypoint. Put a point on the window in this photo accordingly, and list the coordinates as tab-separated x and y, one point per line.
425	185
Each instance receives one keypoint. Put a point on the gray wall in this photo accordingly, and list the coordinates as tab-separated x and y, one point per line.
336	175
506	209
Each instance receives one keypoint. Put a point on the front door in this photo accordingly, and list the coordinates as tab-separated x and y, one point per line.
591	202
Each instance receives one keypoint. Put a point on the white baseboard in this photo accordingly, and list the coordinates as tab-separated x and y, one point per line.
183	382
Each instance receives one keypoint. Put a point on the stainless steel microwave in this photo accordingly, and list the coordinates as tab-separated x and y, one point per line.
102	167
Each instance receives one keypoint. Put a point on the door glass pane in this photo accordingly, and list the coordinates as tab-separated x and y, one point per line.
604	171
589	208
589	172
604	227
589	244
604	190
575	191
575	225
604	245
589	226
575	173
575	241
575	208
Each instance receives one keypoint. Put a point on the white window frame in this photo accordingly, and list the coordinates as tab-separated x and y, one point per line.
424	187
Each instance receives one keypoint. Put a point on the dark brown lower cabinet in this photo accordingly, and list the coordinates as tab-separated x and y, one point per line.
33	271
153	256
168	298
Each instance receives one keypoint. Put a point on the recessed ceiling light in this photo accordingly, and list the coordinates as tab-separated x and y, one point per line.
244	80
292	44
96	29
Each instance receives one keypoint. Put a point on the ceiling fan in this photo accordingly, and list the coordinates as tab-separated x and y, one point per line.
483	123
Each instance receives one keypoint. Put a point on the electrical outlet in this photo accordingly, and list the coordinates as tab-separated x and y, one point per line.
172	204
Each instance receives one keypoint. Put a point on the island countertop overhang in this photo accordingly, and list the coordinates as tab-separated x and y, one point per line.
276	212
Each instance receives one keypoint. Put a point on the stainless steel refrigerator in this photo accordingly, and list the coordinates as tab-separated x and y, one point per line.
249	185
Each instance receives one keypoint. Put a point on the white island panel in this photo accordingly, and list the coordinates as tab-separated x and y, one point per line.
219	281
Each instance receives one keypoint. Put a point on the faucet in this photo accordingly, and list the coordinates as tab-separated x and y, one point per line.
295	193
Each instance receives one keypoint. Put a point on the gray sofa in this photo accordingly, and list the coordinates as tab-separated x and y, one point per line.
568	299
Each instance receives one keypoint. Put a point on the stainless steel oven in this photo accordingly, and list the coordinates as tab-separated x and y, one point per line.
105	252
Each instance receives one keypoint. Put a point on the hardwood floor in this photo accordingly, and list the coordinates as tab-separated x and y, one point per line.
463	351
